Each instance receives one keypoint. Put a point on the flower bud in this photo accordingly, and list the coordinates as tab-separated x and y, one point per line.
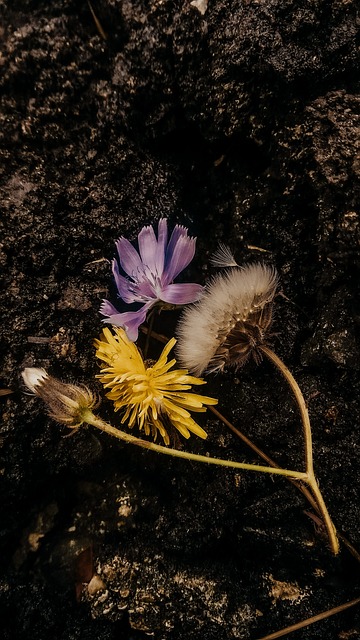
65	403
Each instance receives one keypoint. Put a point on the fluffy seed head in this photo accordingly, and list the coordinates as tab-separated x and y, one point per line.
230	322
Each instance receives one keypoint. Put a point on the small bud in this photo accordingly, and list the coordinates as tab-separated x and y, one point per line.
65	403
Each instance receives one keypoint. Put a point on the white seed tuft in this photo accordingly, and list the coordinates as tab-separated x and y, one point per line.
237	295
33	377
223	257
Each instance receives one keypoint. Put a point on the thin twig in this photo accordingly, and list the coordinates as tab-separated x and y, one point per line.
354	552
97	22
149	333
308	621
158	336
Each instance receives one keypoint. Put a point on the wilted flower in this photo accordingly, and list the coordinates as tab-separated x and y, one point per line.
65	403
230	322
149	275
154	396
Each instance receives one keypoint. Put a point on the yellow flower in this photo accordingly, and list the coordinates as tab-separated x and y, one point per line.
154	396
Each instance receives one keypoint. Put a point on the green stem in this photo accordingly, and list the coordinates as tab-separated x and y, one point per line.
90	418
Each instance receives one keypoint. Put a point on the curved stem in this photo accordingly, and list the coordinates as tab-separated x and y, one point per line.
311	480
308	477
301	404
334	543
299	484
90	418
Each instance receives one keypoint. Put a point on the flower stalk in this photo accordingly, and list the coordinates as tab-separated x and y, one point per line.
91	419
73	406
311	480
300	402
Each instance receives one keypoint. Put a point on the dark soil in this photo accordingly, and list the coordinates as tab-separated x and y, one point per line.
244	125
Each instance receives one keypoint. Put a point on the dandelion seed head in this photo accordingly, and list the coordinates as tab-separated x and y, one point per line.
230	321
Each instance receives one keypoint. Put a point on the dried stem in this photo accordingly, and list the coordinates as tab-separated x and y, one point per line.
308	621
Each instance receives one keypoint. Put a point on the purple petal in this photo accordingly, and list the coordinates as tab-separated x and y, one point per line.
152	250
123	285
182	293
130	320
145	291
148	247
178	232
162	240
107	309
129	258
178	256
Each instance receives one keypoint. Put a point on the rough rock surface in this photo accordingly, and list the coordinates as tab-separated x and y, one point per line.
240	121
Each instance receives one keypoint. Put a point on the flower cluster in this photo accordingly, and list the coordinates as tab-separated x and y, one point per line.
152	395
228	324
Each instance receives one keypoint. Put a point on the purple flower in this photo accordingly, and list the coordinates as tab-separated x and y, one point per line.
149	275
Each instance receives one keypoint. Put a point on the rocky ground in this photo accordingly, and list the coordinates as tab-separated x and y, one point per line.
241	121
